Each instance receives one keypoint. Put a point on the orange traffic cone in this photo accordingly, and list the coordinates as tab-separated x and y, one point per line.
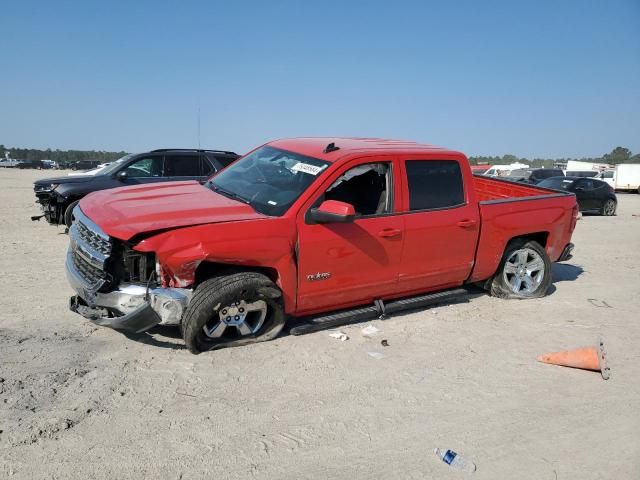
590	358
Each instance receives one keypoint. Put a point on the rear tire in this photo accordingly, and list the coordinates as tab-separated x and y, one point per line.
68	213
524	272
253	312
609	208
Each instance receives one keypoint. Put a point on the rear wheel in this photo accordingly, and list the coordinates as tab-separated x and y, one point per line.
525	271
233	310
68	213
609	208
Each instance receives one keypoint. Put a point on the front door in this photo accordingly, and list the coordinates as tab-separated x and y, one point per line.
347	264
147	169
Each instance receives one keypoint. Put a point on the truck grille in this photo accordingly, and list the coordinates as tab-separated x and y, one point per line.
90	249
93	276
93	239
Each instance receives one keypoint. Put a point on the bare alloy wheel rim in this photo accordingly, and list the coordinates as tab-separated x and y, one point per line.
245	318
524	271
609	207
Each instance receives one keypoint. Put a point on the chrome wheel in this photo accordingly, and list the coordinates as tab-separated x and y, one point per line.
609	208
238	319
523	271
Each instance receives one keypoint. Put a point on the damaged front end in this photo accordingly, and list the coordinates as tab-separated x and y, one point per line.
117	286
51	203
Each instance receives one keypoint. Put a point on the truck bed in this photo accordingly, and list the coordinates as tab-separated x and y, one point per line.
488	189
509	210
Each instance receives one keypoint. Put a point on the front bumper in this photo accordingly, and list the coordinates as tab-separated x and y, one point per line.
133	308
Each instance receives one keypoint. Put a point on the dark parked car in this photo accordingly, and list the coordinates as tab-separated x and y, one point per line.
533	175
58	196
592	195
35	164
85	164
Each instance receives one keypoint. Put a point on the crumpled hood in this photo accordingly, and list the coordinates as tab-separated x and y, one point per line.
128	211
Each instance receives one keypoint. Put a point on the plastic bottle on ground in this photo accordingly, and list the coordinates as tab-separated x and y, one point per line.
454	460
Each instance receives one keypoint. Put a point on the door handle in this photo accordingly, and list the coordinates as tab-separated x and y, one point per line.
389	232
467	223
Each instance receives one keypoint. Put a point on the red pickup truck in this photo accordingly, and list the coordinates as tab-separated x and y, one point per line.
307	227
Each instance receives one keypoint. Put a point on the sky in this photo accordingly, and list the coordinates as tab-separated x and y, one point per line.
533	79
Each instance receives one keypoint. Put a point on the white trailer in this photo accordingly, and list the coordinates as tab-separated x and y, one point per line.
626	176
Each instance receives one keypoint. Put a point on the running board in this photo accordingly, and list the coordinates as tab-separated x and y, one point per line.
380	309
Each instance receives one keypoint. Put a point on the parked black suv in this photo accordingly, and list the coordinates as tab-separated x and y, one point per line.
58	196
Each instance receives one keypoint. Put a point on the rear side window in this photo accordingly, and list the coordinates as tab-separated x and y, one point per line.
182	165
434	184
224	160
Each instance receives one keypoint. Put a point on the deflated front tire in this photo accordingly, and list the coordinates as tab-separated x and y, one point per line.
233	310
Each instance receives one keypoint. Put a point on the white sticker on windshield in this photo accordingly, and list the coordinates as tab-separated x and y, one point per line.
307	168
271	202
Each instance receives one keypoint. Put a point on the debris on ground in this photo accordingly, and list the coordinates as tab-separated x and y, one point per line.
376	355
339	335
384	343
598	303
454	460
370	331
587	358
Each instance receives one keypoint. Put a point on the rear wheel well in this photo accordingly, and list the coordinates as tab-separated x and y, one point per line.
207	270
540	237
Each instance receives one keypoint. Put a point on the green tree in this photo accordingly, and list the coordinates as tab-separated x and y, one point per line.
618	155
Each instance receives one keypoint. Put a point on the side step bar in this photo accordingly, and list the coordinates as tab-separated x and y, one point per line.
380	309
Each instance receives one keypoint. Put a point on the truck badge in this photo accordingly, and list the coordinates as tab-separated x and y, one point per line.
318	276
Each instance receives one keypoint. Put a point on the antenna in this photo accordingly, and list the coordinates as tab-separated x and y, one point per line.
198	128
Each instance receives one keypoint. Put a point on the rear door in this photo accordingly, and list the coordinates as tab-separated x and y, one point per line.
184	166
441	225
344	264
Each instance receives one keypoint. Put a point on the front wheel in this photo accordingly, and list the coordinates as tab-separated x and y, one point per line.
609	208
233	310
524	272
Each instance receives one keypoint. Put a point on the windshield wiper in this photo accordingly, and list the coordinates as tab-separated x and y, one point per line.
229	194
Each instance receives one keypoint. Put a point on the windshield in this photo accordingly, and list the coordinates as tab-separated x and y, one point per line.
113	165
557	183
268	179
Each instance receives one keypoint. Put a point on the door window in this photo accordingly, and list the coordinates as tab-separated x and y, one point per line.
367	187
434	184
145	167
182	165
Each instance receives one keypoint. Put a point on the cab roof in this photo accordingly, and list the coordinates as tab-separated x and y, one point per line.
334	148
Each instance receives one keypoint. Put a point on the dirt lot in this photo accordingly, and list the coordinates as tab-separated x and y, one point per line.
77	401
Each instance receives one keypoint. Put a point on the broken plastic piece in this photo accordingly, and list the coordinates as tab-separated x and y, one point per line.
376	355
370	331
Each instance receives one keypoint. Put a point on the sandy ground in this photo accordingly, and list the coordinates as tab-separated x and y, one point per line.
77	401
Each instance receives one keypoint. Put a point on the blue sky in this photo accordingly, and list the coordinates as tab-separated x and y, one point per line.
536	79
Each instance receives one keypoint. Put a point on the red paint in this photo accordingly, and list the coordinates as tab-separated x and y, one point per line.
376	257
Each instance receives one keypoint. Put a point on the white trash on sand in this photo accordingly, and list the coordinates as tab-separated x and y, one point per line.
343	337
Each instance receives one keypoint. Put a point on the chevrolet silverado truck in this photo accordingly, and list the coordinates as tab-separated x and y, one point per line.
59	196
325	231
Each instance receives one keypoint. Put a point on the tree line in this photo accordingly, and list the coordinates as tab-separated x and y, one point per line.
60	156
617	155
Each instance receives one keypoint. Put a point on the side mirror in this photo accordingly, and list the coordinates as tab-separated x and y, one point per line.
121	175
332	211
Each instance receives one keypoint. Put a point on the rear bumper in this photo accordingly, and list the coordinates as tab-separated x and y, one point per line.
133	308
567	253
